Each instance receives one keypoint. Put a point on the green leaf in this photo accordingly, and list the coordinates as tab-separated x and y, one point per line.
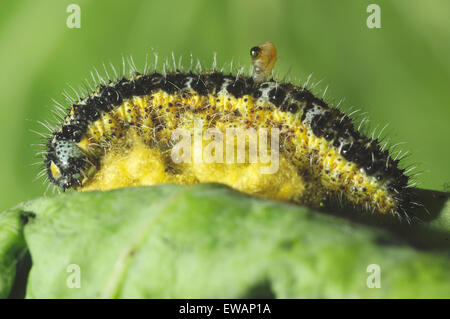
208	241
12	247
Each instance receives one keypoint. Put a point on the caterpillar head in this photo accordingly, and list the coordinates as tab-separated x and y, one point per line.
65	163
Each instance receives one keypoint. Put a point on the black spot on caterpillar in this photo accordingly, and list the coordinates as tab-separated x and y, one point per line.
120	134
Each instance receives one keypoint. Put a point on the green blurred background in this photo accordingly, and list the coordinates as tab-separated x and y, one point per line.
399	74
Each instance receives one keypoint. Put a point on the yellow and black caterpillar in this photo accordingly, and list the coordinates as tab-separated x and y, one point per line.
120	135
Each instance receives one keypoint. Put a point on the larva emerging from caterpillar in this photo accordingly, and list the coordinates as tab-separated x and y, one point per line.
263	58
121	135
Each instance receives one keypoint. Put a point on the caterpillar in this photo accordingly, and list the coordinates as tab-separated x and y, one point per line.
121	135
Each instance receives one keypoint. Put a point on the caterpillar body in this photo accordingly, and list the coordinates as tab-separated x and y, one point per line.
120	135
